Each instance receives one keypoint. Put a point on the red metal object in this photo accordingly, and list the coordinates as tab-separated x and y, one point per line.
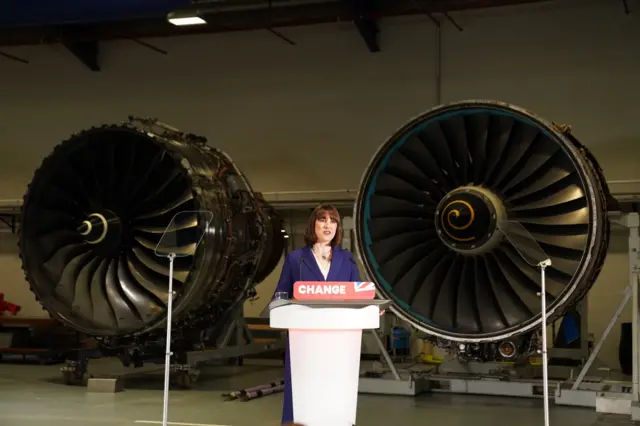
12	308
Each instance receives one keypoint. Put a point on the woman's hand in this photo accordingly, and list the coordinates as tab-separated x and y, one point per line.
381	312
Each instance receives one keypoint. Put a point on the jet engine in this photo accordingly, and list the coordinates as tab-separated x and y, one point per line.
95	211
431	214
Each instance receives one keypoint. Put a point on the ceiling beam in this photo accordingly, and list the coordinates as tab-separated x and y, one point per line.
255	18
86	52
364	12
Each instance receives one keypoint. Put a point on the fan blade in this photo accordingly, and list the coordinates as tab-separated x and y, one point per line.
146	280
103	314
180	223
146	307
125	316
153	263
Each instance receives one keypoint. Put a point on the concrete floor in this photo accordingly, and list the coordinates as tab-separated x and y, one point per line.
33	395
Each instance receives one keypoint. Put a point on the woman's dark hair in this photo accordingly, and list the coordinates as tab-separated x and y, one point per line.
310	236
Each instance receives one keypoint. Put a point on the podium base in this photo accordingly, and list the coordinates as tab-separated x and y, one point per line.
325	368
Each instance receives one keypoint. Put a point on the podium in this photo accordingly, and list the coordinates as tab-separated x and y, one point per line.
325	322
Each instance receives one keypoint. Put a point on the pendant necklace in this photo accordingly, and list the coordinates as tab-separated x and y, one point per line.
324	257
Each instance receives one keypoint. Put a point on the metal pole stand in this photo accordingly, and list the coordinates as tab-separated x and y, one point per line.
167	356
545	366
171	246
532	253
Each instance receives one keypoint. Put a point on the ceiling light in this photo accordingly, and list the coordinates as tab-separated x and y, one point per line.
183	19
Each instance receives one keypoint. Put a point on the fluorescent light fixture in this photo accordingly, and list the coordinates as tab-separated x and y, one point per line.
183	19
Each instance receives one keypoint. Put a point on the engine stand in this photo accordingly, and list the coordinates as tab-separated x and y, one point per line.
186	375
393	383
74	371
411	383
236	342
614	397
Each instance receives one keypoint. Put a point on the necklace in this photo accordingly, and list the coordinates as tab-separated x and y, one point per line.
324	257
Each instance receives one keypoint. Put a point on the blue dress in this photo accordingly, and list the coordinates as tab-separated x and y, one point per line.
301	265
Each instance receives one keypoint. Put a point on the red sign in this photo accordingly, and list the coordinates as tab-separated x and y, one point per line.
328	290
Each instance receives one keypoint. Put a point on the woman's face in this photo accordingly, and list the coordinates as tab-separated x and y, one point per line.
325	228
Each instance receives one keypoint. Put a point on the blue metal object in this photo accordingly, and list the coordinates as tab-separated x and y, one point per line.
19	13
570	327
400	340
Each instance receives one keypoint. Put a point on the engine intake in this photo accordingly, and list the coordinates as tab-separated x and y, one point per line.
98	206
429	208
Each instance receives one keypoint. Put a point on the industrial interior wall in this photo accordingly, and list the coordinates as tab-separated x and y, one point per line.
309	116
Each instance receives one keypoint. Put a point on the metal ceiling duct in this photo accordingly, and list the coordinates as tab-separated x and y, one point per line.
96	209
431	202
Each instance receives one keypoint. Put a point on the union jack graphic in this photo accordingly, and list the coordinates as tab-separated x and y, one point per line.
363	286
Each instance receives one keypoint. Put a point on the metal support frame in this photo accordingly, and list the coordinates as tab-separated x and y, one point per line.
236	342
13	57
411	383
367	26
395	383
86	52
498	382
10	221
614	397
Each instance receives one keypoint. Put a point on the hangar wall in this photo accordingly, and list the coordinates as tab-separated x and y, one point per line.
310	116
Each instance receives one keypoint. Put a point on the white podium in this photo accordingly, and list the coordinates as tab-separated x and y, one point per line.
325	338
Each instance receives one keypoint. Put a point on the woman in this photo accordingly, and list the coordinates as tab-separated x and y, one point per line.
319	260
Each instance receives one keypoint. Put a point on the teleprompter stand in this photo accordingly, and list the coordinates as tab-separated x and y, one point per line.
533	254
180	239
325	337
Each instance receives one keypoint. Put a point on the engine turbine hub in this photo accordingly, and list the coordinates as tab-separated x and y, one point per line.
467	219
103	228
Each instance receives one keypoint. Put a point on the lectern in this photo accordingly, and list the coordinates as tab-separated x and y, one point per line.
325	322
